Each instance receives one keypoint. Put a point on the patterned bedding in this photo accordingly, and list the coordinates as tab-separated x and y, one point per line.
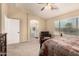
60	46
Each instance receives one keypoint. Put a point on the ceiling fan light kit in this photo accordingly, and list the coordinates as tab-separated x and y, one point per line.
49	6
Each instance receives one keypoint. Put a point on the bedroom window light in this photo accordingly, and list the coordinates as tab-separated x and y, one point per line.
69	26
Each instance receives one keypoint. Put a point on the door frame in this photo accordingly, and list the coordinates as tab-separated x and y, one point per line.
29	27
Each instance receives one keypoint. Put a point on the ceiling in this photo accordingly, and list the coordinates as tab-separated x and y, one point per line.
47	13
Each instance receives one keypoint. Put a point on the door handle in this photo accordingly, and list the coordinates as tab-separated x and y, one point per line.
18	32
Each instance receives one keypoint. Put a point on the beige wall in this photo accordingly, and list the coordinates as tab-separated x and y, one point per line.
0	18
3	11
50	22
21	14
41	23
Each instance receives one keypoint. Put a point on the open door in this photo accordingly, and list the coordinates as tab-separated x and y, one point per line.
34	29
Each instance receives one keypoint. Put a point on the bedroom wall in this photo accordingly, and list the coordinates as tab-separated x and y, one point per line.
0	18
21	14
50	22
41	23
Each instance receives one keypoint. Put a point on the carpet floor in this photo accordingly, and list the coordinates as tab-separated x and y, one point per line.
29	48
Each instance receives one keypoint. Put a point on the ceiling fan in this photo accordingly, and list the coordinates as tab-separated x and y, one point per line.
50	6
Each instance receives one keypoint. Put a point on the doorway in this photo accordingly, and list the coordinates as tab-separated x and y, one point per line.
12	28
34	29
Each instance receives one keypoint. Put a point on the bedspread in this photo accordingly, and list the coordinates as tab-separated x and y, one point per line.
60	46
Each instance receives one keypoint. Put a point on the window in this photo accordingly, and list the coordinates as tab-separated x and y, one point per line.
68	26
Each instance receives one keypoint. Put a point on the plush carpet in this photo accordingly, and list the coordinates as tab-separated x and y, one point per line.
29	48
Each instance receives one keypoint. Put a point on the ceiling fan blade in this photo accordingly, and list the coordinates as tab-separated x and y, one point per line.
53	7
42	8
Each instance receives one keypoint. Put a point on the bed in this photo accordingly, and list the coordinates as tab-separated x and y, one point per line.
60	46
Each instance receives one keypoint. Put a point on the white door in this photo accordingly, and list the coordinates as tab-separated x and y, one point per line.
12	27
